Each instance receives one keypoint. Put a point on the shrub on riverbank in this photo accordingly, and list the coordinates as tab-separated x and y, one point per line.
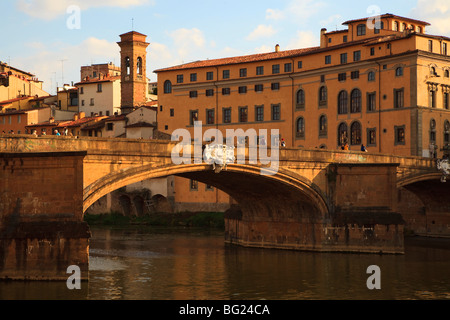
186	219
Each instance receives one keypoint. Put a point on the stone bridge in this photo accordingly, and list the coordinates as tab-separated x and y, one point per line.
318	200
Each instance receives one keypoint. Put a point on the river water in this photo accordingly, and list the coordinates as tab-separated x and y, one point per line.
179	264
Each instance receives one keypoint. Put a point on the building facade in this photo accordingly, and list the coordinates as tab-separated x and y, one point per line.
382	83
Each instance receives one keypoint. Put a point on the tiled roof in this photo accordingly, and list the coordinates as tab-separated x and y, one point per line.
13	100
99	80
241	59
141	125
389	15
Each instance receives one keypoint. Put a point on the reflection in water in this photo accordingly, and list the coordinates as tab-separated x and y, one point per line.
159	264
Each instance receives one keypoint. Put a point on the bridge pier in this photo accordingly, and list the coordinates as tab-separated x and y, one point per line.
42	231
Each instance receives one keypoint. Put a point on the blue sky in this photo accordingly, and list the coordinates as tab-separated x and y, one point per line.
38	37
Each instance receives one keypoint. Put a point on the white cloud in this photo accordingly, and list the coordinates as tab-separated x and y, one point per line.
303	39
187	41
332	21
51	9
296	10
274	14
264	49
261	31
436	12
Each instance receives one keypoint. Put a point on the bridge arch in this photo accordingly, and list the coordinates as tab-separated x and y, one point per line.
285	192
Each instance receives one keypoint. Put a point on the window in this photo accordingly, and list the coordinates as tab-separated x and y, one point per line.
372	51
127	66
209	187
399	72
242	89
432	98
327	59
82	103
343	58
419	29
446	73
322	95
193	94
343	102
395	25
172	112
275	86
226	115
193	185
344	39
193	77
226	74
445	101
180	78
259	113
300	99
259	71
300	127
354	75
444	48
430	45
243	114
92	102
404	26
167	86
342	76
243	72
193	116
323	126
355	101
287	67
210	116
276	112
210	75
433	71
446	132
99	87
259	87
371	76
371	137
299	64
342	134
81	90
226	91
139	65
398	98
432	131
399	135
361	30
210	92
355	131
371	101
357	55
378	26
275	69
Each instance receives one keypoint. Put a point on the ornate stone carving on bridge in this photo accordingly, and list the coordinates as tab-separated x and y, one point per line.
219	156
443	166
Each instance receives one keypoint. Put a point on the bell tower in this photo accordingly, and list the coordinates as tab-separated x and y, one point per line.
133	57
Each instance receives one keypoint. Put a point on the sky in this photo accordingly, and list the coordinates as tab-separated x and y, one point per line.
54	38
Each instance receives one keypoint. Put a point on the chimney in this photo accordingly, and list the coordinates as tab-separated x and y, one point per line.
75	117
323	38
51	120
277	48
81	115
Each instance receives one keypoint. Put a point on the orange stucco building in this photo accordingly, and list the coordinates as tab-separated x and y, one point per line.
380	82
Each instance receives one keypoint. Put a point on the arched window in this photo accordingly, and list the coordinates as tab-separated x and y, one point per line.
323	95
404	26
342	134
300	128
139	65
446	73
127	65
446	132
167	86
361	30
419	29
395	25
355	101
300	99
342	102
323	125
371	76
355	131
432	131
399	72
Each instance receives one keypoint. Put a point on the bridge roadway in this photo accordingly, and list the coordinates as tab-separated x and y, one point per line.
318	200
